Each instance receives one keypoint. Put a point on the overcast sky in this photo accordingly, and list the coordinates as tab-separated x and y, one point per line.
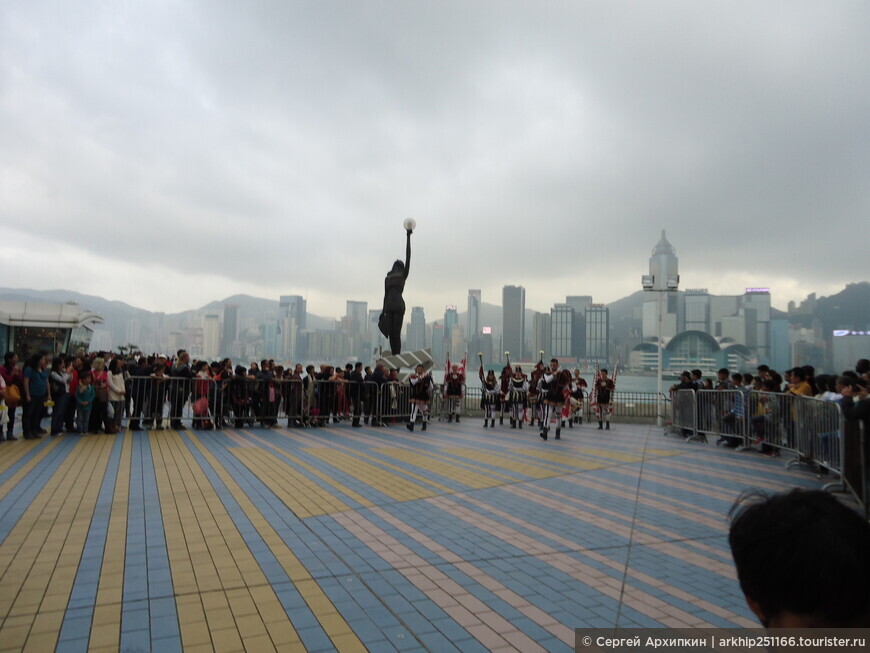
170	153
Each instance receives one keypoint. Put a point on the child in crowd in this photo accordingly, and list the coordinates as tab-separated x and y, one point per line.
84	401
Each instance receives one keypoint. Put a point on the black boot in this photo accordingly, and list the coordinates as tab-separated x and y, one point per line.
355	423
410	426
607	428
544	433
500	421
559	432
513	423
520	423
457	419
449	418
425	422
600	425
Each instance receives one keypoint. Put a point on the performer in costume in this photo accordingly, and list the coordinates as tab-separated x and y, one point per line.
453	384
519	388
578	385
603	404
489	393
393	314
421	396
504	389
534	394
552	387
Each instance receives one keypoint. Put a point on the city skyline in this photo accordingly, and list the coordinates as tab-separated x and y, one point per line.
167	156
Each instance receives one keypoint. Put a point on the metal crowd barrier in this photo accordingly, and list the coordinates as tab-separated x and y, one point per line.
684	415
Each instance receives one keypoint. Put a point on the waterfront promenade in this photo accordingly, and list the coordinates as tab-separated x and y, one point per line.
346	539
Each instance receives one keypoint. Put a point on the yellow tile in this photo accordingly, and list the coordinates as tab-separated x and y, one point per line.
226	640
258	644
348	643
195	634
333	624
38	643
105	635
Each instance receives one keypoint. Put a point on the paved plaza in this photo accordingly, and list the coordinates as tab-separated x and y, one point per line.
457	539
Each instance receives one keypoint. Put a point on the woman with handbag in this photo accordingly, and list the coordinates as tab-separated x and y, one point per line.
11	374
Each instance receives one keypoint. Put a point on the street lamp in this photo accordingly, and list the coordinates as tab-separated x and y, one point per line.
649	283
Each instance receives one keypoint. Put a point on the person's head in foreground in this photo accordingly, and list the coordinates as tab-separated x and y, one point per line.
803	559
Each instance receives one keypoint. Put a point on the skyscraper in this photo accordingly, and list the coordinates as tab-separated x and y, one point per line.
540	335
231	328
358	314
417	329
598	333
663	265
561	327
472	327
451	320
293	306
513	301
211	336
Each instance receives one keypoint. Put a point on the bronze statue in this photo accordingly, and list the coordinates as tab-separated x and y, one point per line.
393	314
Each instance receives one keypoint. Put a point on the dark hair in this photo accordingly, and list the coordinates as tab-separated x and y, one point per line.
738	377
769	385
763	368
805	553
724	370
603	369
8	356
113	365
748	378
240	370
799	373
697	373
862	366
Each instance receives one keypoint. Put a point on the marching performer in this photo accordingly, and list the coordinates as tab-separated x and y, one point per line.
421	396
578	385
489	393
504	388
519	388
453	384
552	387
534	394
602	399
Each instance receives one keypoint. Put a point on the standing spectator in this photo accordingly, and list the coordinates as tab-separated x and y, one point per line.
74	366
604	389
11	374
99	412
116	379
179	388
85	395
36	393
59	384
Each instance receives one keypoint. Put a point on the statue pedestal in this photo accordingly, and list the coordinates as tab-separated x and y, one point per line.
408	359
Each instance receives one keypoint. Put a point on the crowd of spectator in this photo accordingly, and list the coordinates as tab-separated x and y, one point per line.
95	393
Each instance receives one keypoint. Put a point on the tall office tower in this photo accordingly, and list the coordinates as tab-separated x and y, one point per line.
663	265
579	303
472	327
541	340
756	311
598	333
376	339
211	334
697	310
513	302
438	354
451	320
358	314
231	328
562	331
417	330
293	306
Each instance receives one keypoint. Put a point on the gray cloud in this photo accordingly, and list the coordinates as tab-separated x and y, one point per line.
280	145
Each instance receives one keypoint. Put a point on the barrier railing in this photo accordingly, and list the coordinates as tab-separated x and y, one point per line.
684	415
